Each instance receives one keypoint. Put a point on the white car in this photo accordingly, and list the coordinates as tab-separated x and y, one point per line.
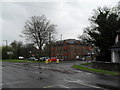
33	58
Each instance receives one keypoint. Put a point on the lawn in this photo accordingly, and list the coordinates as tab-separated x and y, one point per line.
86	63
95	70
20	61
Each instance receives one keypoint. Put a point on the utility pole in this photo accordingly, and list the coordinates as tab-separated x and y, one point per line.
6	42
61	46
61	37
49	44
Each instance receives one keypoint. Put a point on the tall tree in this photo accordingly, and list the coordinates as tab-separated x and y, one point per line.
102	31
47	48
84	38
5	52
29	49
37	29
16	48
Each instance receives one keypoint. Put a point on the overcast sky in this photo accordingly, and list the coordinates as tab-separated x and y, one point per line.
70	17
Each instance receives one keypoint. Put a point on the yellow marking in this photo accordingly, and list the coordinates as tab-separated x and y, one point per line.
46	62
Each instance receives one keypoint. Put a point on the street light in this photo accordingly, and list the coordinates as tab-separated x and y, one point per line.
61	47
30	53
6	42
50	44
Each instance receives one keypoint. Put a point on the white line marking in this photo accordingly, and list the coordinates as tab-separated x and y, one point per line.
55	85
1	84
89	73
14	82
78	71
71	81
63	86
78	82
89	85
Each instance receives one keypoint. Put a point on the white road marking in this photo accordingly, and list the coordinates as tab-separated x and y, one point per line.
78	82
78	71
55	85
1	84
84	72
71	81
63	86
89	74
14	82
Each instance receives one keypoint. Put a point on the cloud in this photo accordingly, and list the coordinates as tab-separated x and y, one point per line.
13	18
0	24
71	17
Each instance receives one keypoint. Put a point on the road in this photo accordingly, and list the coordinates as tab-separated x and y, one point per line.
52	75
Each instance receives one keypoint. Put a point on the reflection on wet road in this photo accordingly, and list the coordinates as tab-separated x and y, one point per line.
40	75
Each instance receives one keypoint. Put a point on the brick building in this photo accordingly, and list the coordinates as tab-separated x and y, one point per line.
70	49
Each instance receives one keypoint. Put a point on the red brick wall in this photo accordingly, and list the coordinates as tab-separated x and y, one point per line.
68	51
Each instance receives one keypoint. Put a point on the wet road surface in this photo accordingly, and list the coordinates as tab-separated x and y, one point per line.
52	75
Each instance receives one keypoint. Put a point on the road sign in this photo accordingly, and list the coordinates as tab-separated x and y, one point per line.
9	52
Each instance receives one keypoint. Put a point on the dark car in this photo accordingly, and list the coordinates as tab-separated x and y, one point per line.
43	58
82	59
33	58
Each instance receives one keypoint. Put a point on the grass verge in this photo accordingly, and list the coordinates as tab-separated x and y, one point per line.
19	61
86	63
95	70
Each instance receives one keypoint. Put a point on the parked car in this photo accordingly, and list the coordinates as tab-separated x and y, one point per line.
82	59
43	58
33	58
61	59
52	59
21	57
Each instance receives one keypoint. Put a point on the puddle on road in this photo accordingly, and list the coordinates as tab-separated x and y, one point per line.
40	72
3	65
39	78
43	76
63	71
59	70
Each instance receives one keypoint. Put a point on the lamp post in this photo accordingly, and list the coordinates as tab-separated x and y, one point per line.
49	44
6	42
61	47
61	37
30	53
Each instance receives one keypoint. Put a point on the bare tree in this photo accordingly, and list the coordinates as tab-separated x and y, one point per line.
37	29
83	38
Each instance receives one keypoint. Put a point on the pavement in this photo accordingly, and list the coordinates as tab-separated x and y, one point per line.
52	75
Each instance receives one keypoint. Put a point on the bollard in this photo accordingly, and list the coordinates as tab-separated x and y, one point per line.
50	60
57	61
46	61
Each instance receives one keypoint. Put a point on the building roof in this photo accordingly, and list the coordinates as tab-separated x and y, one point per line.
116	45
70	41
